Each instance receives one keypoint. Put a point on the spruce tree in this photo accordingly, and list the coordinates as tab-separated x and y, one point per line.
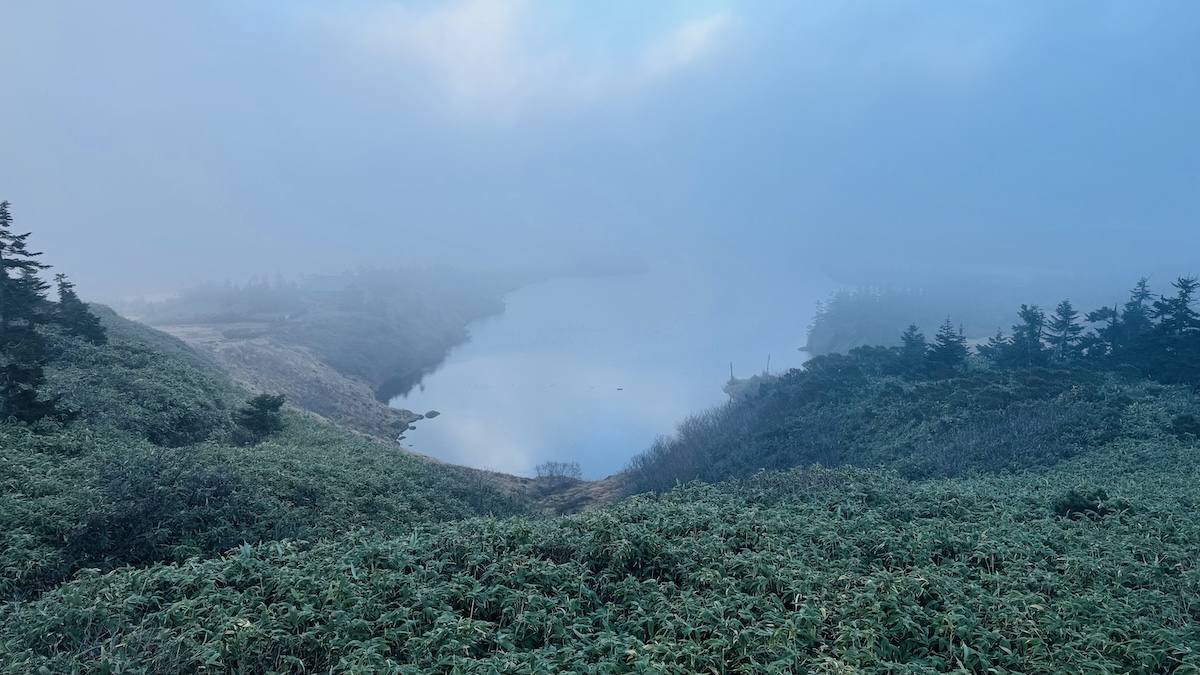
948	354
1175	315
23	306
74	316
260	417
1025	348
1064	333
1170	351
22	293
912	350
1103	340
993	350
1135	320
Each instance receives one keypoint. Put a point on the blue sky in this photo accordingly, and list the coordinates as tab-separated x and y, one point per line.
152	144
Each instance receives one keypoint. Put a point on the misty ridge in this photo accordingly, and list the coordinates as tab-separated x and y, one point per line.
1052	445
506	336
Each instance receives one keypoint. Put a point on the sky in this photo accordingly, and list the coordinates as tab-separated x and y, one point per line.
150	144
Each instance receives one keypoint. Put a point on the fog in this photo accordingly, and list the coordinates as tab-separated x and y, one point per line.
150	145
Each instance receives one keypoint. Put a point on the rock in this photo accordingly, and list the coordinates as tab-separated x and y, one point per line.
432	414
412	427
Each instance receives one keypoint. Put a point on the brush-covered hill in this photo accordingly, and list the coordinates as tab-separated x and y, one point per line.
1013	520
337	345
907	510
150	469
1056	387
1089	566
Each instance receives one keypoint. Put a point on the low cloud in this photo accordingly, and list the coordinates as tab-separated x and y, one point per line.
688	44
499	58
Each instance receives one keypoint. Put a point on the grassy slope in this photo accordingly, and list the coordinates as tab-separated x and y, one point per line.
146	473
840	411
824	571
1065	542
262	363
339	346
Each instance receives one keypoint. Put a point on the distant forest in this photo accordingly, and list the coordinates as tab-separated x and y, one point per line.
387	327
1158	335
876	315
1054	385
277	300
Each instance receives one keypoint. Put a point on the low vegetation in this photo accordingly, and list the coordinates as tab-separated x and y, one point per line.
154	469
1047	392
808	571
122	446
920	509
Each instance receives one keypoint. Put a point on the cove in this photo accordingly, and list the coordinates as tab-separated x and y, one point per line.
592	369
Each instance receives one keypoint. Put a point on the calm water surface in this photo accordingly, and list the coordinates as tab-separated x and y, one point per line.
591	369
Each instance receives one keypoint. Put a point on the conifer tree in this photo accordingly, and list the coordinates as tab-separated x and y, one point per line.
260	417
949	350
1064	333
22	293
1025	348
73	314
1135	320
1103	340
1175	315
23	351
912	350
1170	351
993	349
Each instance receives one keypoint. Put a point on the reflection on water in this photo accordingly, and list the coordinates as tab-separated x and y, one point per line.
592	369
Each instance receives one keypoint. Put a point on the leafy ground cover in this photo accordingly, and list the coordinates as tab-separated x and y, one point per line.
843	410
1012	520
809	571
147	471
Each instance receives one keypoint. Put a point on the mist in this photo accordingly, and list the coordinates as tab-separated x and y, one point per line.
767	153
151	145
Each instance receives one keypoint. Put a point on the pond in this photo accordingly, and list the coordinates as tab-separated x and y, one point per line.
592	369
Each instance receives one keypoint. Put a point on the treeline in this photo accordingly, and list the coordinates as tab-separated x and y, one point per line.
263	299
1157	337
1054	387
26	315
386	327
280	299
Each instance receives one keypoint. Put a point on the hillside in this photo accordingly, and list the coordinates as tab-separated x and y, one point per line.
1056	387
258	362
1029	508
148	471
340	346
1085	567
1027	520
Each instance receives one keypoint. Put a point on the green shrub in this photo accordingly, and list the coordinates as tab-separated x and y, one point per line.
1085	503
1185	426
814	570
834	412
258	419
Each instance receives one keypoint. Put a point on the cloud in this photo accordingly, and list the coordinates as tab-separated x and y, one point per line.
501	57
688	44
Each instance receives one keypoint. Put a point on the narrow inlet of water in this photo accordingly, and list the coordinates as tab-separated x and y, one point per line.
592	369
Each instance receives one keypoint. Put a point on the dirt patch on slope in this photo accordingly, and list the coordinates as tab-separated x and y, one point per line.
262	364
